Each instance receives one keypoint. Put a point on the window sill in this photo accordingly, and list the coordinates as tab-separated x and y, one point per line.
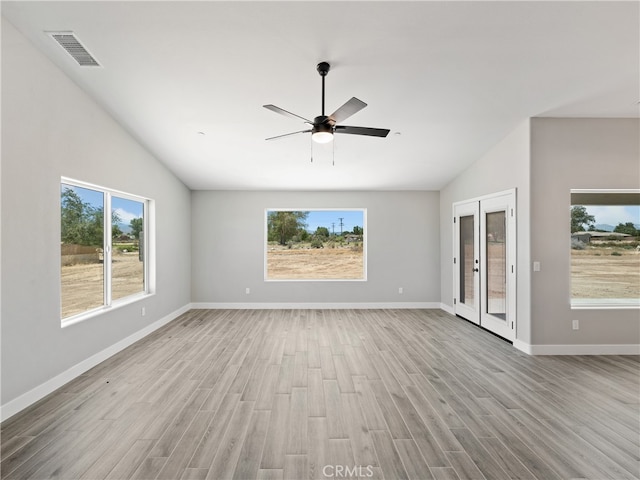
604	303
81	317
315	279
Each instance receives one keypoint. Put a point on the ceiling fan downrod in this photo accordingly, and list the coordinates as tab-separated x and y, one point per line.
323	69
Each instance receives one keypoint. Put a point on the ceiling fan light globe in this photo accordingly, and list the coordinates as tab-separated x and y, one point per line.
322	137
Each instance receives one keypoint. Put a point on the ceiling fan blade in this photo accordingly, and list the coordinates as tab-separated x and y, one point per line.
371	132
345	111
287	134
282	111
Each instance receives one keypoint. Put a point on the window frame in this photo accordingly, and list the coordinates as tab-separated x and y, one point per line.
365	243
587	194
147	245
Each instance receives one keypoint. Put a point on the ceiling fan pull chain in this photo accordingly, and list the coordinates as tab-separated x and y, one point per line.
311	150
333	152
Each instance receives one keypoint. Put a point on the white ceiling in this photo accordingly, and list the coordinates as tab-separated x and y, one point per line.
449	79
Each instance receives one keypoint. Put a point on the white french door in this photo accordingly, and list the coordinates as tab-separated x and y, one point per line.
466	260
485	262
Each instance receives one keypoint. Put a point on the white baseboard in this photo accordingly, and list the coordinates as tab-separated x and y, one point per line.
312	306
447	308
577	349
522	346
14	406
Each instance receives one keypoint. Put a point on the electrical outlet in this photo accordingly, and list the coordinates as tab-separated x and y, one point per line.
576	324
536	266
247	290
143	312
400	291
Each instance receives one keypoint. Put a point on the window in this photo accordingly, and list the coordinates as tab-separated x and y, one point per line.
313	244
605	248
104	259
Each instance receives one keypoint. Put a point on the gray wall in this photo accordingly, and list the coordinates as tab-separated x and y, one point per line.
228	248
50	128
504	167
568	154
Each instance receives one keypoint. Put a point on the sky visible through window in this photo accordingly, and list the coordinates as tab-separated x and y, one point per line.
331	220
126	209
92	197
614	214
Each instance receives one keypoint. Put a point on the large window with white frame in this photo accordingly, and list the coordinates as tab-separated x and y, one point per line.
605	248
104	257
315	244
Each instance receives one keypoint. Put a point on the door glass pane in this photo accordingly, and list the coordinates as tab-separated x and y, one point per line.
467	256
496	256
81	249
127	262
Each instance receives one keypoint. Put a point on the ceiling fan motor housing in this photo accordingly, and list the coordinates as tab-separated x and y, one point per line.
322	123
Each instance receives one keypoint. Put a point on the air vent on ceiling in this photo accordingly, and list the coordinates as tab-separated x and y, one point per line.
73	47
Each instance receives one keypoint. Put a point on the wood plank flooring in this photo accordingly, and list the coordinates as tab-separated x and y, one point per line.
315	394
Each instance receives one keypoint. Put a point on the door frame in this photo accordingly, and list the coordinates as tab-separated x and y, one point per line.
509	329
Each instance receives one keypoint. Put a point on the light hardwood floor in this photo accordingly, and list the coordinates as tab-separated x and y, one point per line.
313	394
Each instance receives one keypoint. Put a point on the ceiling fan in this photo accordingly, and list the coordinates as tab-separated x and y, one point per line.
323	127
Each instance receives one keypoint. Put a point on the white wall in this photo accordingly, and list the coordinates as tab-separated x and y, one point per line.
568	154
402	248
504	167
50	128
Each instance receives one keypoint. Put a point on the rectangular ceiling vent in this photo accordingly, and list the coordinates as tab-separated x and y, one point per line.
73	47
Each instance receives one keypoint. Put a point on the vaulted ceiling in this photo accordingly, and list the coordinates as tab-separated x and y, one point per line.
450	79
